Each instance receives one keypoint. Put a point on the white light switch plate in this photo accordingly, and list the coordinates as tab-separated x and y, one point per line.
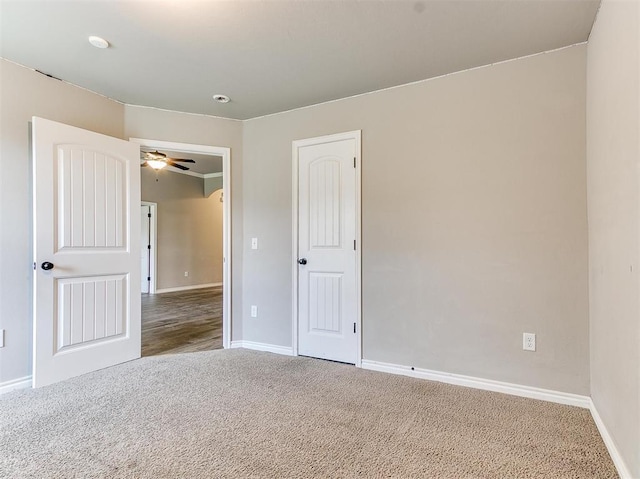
254	243
254	311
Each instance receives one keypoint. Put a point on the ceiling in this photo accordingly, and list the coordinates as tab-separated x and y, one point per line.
204	164
271	56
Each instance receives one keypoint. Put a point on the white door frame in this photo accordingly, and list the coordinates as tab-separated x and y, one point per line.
350	135
153	235
225	153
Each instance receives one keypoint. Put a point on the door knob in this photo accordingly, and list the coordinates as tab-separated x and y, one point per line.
302	261
46	266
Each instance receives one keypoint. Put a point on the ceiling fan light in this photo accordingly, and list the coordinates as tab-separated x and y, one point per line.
156	164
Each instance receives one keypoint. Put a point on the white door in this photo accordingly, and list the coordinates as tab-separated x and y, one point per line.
145	248
86	251
328	297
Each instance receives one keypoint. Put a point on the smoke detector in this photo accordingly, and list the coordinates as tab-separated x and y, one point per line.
98	42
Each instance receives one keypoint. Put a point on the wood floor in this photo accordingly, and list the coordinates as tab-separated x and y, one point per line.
181	322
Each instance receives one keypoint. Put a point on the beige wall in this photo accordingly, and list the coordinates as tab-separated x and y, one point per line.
153	124
474	220
189	229
613	159
474	215
23	94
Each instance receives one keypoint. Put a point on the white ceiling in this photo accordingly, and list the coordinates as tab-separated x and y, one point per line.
204	164
271	56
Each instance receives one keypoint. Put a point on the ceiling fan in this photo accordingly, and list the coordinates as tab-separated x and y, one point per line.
157	160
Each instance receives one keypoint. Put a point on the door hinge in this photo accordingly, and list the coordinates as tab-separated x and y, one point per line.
148	278
354	328
354	245
149	215
148	246
34	265
354	161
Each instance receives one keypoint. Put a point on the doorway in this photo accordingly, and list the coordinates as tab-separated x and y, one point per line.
326	246
188	305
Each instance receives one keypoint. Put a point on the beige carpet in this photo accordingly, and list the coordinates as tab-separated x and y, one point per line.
237	413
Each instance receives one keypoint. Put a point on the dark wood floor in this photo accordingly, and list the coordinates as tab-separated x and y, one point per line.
181	322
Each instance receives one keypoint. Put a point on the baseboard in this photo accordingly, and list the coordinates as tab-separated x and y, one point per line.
20	383
616	457
271	348
187	288
480	383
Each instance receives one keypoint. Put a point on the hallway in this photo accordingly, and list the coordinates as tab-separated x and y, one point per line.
182	321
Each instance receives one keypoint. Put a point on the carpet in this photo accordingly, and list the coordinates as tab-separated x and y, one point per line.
240	413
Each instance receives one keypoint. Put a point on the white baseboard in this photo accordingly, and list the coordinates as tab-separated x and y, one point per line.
271	348
480	383
616	457
187	288
20	383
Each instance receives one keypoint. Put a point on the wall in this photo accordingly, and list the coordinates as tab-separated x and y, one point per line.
154	124
23	94
474	220
613	160
189	229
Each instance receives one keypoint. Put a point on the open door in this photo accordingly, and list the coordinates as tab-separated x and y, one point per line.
86	251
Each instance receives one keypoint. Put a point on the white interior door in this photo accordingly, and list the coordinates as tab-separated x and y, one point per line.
145	248
86	251
328	296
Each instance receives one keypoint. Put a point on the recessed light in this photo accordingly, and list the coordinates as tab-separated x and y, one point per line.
98	42
221	98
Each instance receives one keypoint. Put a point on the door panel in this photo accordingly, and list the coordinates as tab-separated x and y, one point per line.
92	197
87	224
327	302
89	309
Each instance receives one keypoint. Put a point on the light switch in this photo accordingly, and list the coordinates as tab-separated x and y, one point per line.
254	243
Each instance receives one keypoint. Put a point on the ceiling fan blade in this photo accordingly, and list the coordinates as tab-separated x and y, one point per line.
176	165
179	159
152	155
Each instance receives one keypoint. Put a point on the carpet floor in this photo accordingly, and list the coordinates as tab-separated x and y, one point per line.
239	413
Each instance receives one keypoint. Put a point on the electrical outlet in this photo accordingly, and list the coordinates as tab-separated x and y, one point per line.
254	243
186	274
254	311
529	341
1	338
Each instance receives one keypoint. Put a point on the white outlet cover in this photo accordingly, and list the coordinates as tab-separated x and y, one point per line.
254	311
254	243
529	341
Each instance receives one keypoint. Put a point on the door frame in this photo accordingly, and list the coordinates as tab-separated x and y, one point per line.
225	153
153	234
296	144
